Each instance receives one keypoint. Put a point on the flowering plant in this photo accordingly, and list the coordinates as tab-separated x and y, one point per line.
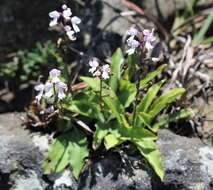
115	105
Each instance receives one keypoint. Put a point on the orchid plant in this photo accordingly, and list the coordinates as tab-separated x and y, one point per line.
116	105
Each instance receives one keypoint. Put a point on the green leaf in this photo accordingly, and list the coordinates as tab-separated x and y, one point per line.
111	141
127	92
117	59
139	133
164	100
151	75
92	82
201	34
57	158
131	133
110	99
116	109
102	129
69	149
144	118
149	97
85	108
184	113
151	153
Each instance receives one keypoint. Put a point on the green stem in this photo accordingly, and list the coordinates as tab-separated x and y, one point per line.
136	101
100	93
138	78
55	94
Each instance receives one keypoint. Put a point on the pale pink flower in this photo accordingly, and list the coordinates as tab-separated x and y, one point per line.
64	7
61	88
97	73
69	32
40	89
67	13
132	32
133	45
148	38
105	71
48	88
54	15
75	22
54	75
93	63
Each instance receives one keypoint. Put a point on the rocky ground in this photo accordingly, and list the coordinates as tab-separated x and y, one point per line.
188	164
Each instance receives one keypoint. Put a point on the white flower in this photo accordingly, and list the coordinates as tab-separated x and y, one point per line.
105	71
64	6
69	32
53	87
97	73
54	74
93	63
148	38
54	15
132	32
75	21
66	12
61	87
40	89
133	44
48	89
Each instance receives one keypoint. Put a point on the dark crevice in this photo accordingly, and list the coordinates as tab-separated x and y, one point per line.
4	181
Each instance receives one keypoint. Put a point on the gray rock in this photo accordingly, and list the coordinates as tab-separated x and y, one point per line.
186	162
20	161
29	181
188	165
158	8
111	19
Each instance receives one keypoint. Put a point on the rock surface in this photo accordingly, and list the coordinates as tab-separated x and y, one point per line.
188	165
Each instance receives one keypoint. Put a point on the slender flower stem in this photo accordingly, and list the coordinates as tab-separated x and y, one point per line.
100	93
55	94
138	78
136	100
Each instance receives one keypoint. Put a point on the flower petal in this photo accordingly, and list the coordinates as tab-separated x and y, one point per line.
54	14
67	14
53	22
132	31
70	35
76	20
130	51
55	73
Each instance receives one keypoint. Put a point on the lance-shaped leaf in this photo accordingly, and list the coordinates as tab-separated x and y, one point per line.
164	100
127	92
184	113
149	97
151	75
117	59
151	153
131	65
